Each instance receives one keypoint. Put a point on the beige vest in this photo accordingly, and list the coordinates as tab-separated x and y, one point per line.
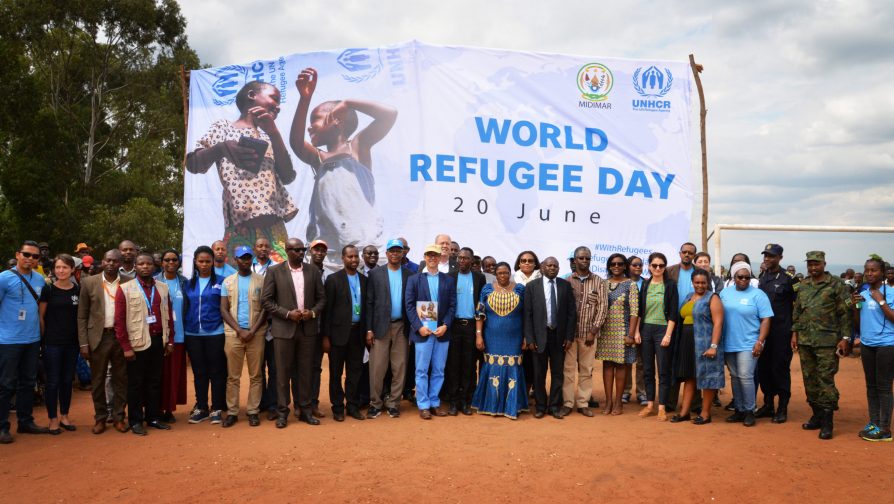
254	301
137	311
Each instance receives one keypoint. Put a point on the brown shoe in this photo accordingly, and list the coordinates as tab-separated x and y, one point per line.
439	411
585	412
317	413
425	414
122	427
99	427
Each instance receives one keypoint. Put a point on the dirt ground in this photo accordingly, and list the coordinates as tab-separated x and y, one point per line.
460	459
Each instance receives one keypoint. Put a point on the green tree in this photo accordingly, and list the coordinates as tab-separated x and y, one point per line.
91	124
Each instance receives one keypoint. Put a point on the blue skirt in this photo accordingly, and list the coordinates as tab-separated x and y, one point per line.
501	386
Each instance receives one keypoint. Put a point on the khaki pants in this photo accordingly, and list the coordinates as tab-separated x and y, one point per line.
390	349
252	353
579	357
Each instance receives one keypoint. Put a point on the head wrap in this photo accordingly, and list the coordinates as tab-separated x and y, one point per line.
741	265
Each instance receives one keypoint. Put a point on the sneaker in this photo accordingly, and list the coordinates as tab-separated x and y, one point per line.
373	412
393	412
216	417
877	436
625	398
642	399
198	416
866	430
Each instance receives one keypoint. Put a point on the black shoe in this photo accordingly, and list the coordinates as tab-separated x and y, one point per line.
356	414
781	415
826	428
254	420
715	402
32	428
452	410
393	412
5	436
308	418
736	417
749	420
282	421
700	420
564	411
155	424
272	415
539	414
338	416
168	417
373	412
731	406
54	432
467	410
138	429
680	418
815	420
557	414
229	421
68	427
765	411
592	403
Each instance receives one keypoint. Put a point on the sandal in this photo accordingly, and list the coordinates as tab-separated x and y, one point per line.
647	412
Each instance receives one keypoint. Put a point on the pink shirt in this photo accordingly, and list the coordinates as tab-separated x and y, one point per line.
298	281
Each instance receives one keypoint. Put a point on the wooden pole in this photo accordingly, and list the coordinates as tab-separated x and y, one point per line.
697	69
184	84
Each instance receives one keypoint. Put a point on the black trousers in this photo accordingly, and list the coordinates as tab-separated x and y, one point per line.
209	367
348	360
294	363
878	369
553	356
652	335
268	378
461	361
410	375
774	371
144	376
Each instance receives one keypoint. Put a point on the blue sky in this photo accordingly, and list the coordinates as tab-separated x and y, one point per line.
799	96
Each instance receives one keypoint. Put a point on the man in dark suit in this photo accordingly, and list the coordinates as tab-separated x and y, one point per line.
550	322
294	297
96	335
462	354
431	306
344	333
387	326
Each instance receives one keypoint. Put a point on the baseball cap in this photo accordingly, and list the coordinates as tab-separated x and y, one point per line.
87	261
434	248
243	250
394	242
319	242
81	246
816	255
773	249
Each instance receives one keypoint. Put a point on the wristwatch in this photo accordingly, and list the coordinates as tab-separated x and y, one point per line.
714	346
846	338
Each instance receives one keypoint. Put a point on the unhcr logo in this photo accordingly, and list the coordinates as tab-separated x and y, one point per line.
652	84
230	80
361	64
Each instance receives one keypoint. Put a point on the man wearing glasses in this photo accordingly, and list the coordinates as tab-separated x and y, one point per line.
370	258
19	340
293	295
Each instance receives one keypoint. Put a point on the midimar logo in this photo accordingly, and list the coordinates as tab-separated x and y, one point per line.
594	81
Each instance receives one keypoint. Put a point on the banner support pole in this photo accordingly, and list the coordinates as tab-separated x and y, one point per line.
697	69
184	83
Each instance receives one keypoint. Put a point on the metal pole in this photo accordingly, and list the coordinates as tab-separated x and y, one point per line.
717	229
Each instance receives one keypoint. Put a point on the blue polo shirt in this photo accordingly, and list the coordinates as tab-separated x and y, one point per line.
224	271
396	283
15	299
465	299
875	329
432	285
684	285
242	312
742	314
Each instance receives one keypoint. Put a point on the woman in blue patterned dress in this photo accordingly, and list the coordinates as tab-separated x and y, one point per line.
699	359
501	382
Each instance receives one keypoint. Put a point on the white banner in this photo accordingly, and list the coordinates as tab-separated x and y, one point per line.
504	151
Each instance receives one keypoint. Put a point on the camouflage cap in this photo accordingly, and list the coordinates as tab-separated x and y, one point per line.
816	255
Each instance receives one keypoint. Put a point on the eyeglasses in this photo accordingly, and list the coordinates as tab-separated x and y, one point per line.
612	265
526	261
296	249
743	277
657	266
170	259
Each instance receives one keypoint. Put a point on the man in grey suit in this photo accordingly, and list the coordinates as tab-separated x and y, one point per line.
387	329
550	321
294	297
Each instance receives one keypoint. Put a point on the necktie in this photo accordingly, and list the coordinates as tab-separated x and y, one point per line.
553	306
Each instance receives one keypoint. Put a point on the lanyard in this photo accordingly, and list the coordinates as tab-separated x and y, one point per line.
106	288
148	300
354	284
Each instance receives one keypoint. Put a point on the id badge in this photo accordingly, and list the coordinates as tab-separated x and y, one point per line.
22	314
150	319
356	309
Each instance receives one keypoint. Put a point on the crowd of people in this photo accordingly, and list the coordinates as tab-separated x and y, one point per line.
454	334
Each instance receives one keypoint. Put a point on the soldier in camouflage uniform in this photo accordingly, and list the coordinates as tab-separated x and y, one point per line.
821	328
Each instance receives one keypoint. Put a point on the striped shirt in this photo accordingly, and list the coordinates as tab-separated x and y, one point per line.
592	303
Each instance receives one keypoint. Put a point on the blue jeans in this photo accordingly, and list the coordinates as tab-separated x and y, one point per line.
60	362
741	371
18	374
430	352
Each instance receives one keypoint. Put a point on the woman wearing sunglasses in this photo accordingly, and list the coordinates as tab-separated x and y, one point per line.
173	388
746	323
658	315
876	329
